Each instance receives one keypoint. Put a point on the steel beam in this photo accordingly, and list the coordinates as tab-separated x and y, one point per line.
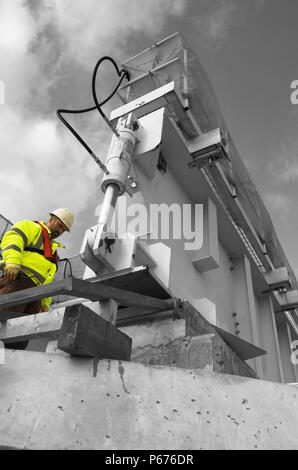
84	333
85	289
287	300
277	279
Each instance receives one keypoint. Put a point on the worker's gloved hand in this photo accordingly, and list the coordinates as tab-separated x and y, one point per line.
44	309
11	271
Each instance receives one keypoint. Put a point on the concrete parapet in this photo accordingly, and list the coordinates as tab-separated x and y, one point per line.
49	401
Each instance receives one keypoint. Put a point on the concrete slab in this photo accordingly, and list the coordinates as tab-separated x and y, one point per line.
48	401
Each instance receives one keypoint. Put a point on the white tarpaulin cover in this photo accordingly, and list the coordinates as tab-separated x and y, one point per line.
173	60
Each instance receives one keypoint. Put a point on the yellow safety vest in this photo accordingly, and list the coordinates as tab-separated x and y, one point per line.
28	234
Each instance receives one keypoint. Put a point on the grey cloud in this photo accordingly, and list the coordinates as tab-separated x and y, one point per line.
43	166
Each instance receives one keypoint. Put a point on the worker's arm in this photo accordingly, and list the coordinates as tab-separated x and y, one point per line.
13	244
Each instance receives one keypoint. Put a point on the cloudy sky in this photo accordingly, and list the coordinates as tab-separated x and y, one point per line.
48	50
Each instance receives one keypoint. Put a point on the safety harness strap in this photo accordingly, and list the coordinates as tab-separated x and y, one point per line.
47	247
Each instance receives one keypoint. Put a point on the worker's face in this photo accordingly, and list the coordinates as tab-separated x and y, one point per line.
56	226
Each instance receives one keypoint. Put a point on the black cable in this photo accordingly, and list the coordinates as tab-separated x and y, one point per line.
121	73
67	263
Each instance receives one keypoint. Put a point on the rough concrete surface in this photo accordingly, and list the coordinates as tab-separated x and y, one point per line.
50	401
208	352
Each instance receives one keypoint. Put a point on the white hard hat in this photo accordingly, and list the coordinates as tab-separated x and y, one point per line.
65	215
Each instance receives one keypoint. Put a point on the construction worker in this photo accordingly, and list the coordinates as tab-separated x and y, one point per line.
29	252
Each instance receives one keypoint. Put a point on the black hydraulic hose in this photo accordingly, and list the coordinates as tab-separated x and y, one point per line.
77	135
121	73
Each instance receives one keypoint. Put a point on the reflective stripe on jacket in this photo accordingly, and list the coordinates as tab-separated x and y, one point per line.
28	234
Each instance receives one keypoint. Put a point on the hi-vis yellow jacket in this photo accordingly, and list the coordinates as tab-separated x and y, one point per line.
28	234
